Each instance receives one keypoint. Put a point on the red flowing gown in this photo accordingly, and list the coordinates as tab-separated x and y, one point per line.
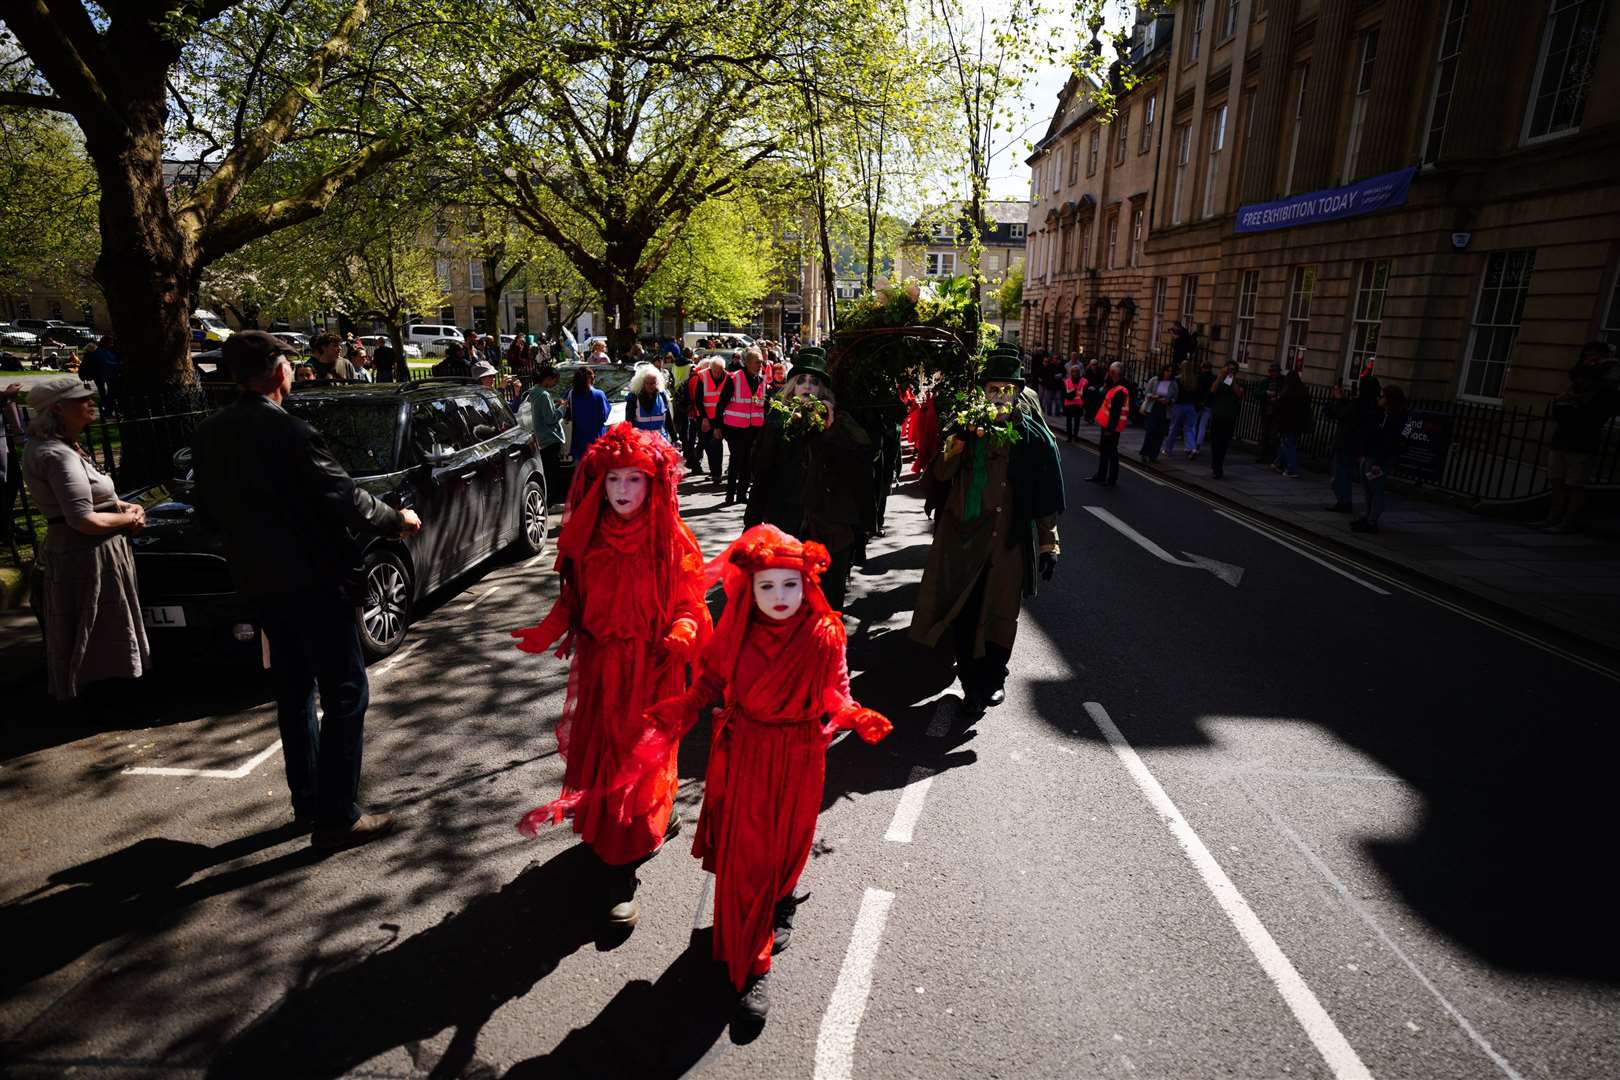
621	668
767	767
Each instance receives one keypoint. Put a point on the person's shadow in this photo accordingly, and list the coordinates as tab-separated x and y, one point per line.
454	975
650	1031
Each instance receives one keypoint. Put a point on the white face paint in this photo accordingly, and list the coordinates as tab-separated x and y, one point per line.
625	490
779	593
806	385
1000	393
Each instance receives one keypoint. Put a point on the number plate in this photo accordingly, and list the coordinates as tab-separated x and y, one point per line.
161	617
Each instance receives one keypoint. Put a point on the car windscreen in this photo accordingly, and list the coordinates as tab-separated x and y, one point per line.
362	435
612	380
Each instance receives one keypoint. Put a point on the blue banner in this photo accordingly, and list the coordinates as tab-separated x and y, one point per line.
1314	207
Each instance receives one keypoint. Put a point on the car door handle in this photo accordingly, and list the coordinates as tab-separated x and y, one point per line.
468	475
516	451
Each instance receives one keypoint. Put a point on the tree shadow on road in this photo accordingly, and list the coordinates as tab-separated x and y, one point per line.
455	975
651	1031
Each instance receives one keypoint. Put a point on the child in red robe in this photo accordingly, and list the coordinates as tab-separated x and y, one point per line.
777	659
632	613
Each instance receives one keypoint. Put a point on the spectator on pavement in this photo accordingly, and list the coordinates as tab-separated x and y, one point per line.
646	402
742	415
1074	398
305	373
548	432
1184	414
1156	405
1345	413
103	367
11	446
1112	415
1271	394
599	353
89	600
1381	448
290	517
1206	388
587	410
1579	413
485	373
707	381
386	363
454	365
326	359
1182	344
1225	403
1095	375
1293	421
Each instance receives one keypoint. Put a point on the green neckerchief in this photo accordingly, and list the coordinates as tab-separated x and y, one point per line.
974	497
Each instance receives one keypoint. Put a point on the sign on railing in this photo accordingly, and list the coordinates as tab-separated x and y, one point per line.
1428	437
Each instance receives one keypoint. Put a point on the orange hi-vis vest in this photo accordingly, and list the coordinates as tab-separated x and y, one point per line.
711	394
1108	405
747	407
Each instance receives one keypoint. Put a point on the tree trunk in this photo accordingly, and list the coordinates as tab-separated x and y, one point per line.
493	287
619	305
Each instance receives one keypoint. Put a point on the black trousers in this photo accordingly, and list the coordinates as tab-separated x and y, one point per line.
1108	457
314	643
986	674
713	449
551	465
1220	438
888	469
1071	421
741	469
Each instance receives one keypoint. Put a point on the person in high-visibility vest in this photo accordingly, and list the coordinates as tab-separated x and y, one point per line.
1112	416
706	383
742	415
995	529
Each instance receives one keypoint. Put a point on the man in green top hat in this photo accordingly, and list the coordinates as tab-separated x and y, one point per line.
996	528
814	481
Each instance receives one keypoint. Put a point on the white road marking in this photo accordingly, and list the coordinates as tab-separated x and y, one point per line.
911	804
1269	535
835	1044
237	773
534	560
399	658
481	598
1366	916
1225	571
1340	1057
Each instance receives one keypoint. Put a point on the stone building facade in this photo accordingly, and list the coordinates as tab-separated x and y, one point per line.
1485	132
938	248
1087	286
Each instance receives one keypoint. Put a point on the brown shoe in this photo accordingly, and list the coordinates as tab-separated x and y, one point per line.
363	830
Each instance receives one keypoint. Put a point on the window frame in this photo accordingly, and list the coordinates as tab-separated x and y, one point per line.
1229	27
475	275
1217	146
1179	181
1122	140
1149	109
1161	289
1356	346
1474	325
1189	300
1111	223
1554	7
1302	74
1138	214
941	256
441	272
1093	149
1074	162
1429	156
1195	33
1020	230
1360	101
1247	304
1609	324
1297	315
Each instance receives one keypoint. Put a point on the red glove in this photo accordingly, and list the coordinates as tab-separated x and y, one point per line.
681	640
539	638
871	725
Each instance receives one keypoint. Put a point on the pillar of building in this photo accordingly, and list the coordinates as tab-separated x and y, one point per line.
1330	50
1489	41
1386	136
1276	61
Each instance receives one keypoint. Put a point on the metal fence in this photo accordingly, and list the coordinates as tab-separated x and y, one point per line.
1491	453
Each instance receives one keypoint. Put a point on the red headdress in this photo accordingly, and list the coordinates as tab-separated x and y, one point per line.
656	527
764	547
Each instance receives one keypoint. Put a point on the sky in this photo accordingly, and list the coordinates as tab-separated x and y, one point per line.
1009	176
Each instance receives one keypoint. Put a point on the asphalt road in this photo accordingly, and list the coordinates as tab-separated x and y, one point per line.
1294	821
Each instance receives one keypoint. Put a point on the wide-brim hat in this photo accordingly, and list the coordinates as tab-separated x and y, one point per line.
1003	364
811	360
483	368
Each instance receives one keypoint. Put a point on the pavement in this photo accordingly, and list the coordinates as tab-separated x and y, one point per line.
1569	583
1250	810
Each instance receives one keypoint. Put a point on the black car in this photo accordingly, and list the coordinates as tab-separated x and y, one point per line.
447	448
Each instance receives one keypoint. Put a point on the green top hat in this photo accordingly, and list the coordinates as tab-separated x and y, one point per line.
1004	364
811	360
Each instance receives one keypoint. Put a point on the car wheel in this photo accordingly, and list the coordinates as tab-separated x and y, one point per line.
385	611
533	517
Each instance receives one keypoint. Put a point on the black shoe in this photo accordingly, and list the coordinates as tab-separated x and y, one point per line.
363	830
974	703
756	1000
995	697
1338	508
623	909
1095	480
783	924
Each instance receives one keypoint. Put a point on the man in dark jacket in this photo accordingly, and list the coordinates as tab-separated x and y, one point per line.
288	514
1579	413
387	363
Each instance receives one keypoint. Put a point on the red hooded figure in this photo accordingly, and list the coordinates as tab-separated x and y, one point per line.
777	660
632	614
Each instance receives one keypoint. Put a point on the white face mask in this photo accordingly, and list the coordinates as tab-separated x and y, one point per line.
625	490
778	593
1000	393
806	386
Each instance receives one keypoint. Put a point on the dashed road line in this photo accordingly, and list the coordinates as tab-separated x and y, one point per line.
911	805
481	598
237	773
1336	1051
835	1043
399	658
